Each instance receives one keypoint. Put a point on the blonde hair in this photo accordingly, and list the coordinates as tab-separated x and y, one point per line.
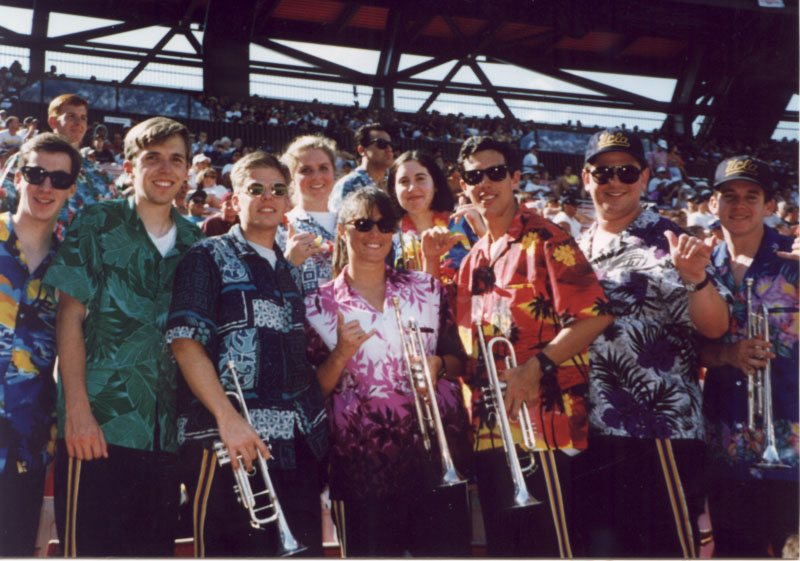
291	156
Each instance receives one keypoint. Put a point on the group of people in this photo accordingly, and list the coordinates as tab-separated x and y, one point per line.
309	301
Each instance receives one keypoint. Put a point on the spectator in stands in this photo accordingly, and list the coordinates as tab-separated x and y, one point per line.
197	207
201	145
658	157
28	337
308	240
221	222
700	215
102	154
374	146
207	181
12	138
30	125
569	219
658	184
569	183
3	118
199	163
531	160
67	115
675	164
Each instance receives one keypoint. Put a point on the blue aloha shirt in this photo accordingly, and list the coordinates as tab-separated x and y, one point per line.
233	302
92	185
317	269
27	355
732	447
643	378
353	181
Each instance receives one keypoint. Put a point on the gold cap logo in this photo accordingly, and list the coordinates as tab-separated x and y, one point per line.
735	167
617	139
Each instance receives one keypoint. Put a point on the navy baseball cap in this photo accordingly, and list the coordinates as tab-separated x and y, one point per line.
615	140
746	168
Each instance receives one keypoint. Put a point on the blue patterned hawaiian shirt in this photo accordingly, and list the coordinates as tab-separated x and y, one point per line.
241	309
643	380
92	185
317	269
732	445
353	181
27	354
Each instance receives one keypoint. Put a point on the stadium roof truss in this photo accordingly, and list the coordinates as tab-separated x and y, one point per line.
710	47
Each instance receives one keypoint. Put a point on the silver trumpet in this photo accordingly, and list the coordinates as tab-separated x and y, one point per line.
425	404
522	498
263	504
759	401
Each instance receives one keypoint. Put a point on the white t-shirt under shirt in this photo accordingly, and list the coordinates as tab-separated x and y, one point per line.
326	219
165	242
265	252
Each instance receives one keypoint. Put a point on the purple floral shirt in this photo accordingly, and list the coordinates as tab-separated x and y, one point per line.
376	444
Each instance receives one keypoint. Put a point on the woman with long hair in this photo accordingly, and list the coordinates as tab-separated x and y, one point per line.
387	492
307	239
433	236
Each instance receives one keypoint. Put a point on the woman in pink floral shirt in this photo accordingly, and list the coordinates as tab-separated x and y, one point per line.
382	480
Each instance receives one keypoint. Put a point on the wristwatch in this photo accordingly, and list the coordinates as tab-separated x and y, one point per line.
547	366
692	287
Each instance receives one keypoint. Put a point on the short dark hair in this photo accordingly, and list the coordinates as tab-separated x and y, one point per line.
362	201
362	134
51	143
254	160
442	196
479	143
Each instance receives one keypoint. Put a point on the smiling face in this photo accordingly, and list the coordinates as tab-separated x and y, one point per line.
42	202
493	199
260	215
366	247
741	208
413	185
314	178
616	203
158	171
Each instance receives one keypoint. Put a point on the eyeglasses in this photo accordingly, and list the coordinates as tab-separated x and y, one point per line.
494	173
382	143
385	225
627	173
277	189
36	175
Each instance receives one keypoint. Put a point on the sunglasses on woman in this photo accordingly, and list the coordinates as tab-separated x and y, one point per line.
494	173
364	225
627	173
36	175
277	189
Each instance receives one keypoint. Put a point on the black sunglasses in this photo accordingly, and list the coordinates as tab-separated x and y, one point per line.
494	173
277	189
364	225
382	143
35	175
627	173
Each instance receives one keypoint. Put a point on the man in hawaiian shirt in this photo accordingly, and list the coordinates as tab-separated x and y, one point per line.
236	298
116	491
753	509
49	166
374	145
67	116
644	462
526	281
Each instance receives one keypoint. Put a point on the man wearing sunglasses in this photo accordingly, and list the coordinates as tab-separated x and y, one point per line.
67	116
526	281
237	298
374	145
645	455
115	481
46	179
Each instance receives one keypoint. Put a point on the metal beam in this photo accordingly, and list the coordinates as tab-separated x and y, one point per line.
490	89
193	42
149	58
82	36
442	85
347	73
345	16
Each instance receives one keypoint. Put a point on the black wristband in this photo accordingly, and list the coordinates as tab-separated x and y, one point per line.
691	287
546	365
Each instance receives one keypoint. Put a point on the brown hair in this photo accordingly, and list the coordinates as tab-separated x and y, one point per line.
254	160
155	130
57	105
53	144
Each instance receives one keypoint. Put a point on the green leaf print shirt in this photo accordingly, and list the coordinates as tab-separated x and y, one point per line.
109	263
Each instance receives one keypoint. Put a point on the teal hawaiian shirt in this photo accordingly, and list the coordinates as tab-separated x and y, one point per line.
92	185
109	263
